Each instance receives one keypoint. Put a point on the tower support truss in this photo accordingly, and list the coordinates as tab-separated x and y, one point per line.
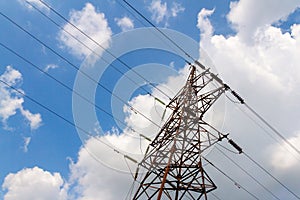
173	162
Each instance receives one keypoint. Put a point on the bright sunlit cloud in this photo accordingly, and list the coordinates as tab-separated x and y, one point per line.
94	24
254	55
125	23
11	101
34	183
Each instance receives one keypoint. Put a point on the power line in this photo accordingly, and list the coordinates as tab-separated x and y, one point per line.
137	18
86	46
215	196
56	114
242	101
240	150
264	122
186	53
165	35
106	50
78	69
213	76
267	132
271	175
236	146
231	179
126	157
65	86
273	129
252	177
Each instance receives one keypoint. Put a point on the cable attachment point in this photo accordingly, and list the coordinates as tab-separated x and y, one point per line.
216	78
145	137
238	96
237	185
226	87
222	136
136	172
159	100
237	147
131	159
199	64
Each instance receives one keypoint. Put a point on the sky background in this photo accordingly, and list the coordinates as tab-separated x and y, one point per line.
253	45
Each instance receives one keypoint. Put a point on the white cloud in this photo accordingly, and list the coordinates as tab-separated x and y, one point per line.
11	101
35	184
172	64
26	143
97	160
265	72
50	66
162	12
295	31
9	105
35	120
142	103
125	23
90	179
261	63
204	24
249	15
176	8
93	24
283	156
11	76
158	10
35	3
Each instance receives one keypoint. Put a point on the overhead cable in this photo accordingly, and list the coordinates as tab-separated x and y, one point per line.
90	49
153	25
271	175
240	151
251	176
69	88
273	129
101	46
56	114
78	69
241	100
231	179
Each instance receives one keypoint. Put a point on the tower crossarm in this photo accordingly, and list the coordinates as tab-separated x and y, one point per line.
206	100
173	160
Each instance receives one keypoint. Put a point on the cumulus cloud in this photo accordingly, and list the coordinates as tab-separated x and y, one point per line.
158	10
265	72
161	11
247	16
35	3
98	160
204	24
33	183
260	62
125	23
34	120
93	24
11	101
93	175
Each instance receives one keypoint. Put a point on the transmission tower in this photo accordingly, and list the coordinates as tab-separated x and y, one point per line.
173	162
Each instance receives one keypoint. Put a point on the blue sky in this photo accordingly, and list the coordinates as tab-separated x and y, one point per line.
254	46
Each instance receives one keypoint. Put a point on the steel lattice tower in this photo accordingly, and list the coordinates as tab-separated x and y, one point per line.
173	160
